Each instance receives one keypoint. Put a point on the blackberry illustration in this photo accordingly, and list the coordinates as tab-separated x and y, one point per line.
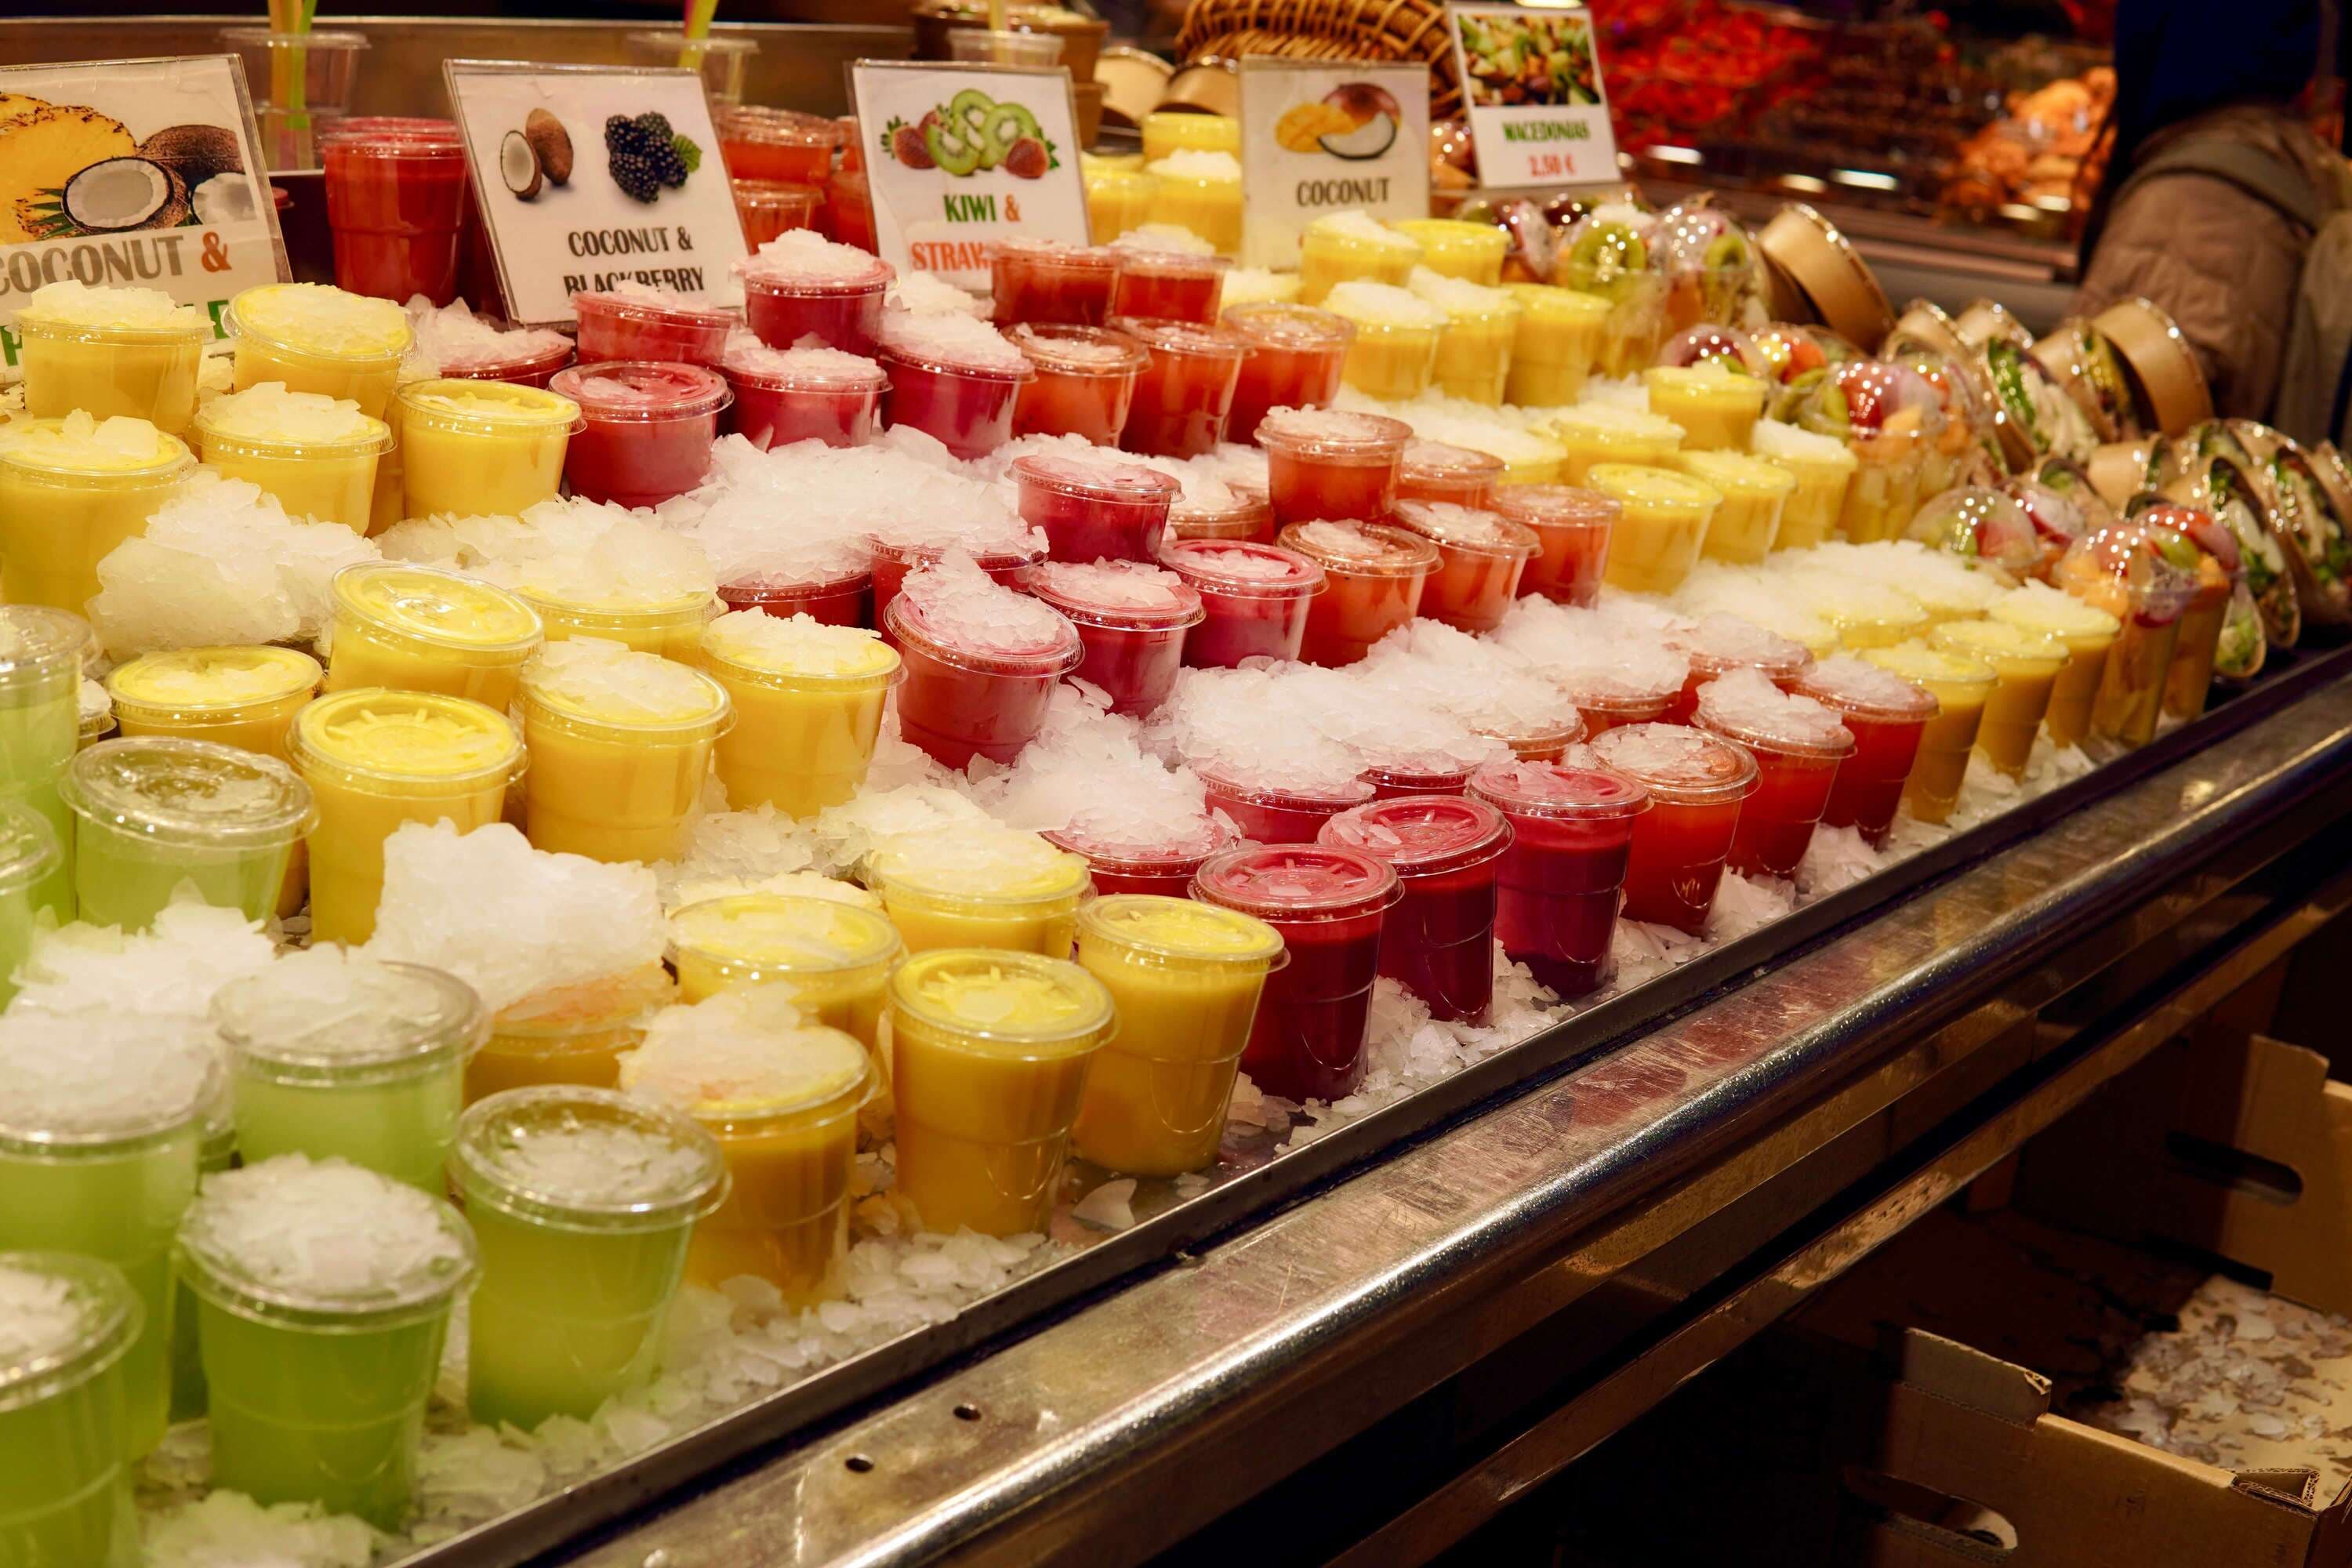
644	155
635	174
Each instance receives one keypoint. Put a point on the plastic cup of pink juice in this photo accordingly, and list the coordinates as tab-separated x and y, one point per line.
982	662
1243	513
802	285
1698	785
953	378
1887	716
396	206
1559	882
1131	619
1798	744
649	428
1085	382
1165	285
634	322
1270	812
1095	511
1373	578
784	395
1719	643
1295	357
1005	564
1434	470
1254	599
1439	939
1572	527
1186	390
835	599
1035	279
1327	463
1481	556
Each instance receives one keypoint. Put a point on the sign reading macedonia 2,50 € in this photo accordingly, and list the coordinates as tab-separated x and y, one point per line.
959	155
1531	81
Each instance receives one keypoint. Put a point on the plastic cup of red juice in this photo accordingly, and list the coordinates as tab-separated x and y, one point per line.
1051	280
767	208
760	144
1634	694
1247	515
1296	355
953	378
1717	644
1480	557
1169	285
800	284
1327	463
1085	381
1572	527
1329	904
1798	744
1439	943
1131	619
784	395
1696	783
1422	775
1186	388
1432	470
1277	813
1540	743
1254	598
650	429
1094	511
892	563
847	214
534	366
651	325
1886	715
396	205
1123	864
1560	880
835	599
1372	580
974	686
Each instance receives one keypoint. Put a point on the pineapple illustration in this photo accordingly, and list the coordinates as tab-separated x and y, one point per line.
41	151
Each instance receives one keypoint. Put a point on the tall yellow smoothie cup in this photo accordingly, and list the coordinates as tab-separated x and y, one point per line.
2089	633
620	744
808	708
70	491
1961	687
482	448
416	628
105	352
2025	667
317	455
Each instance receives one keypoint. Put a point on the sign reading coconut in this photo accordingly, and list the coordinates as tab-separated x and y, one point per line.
593	176
1531	81
958	156
133	175
1324	136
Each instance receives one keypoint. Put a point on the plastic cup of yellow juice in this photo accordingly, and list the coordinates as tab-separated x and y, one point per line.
100	1120
582	1202
1592	434
1173	130
832	958
29	856
415	629
2025	665
670	626
317	455
808	707
1661	529
482	448
319	338
1961	687
1199	191
65	1484
1119	200
620	743
157	811
1185	978
342	1057
1453	249
1824	467
1717	408
1482	325
570	1033
70	491
781	1097
978	885
1559	339
1394	355
108	351
1339	248
40	728
323	1294
1865	614
375	759
989	1054
1754	492
241	696
2089	633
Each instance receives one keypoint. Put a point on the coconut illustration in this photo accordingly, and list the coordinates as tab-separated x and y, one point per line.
196	152
1373	116
518	166
223	200
118	195
551	143
41	151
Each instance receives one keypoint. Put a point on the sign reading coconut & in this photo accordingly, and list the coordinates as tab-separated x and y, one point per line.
1324	136
956	156
1531	81
593	176
133	175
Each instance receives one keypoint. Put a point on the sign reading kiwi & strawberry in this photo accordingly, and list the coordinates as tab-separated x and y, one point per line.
132	174
595	176
1531	79
959	155
1323	136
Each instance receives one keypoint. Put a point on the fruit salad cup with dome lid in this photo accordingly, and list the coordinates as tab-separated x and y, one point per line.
1615	253
1888	416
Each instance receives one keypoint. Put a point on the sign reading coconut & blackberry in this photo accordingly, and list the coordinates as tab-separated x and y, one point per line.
133	175
959	155
594	177
1324	136
1531	81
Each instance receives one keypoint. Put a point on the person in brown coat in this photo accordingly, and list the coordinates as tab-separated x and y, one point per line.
2197	83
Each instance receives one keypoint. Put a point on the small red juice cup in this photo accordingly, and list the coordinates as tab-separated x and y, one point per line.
1696	784
1717	644
1277	813
838	599
760	143
1439	940
1559	883
1186	388
1006	566
1084	382
973	688
1296	355
395	204
1418	776
1432	470
1052	280
1539	742
1131	619
1571	527
1164	864
1169	285
650	429
802	285
526	367
767	208
1247	515
1094	511
1332	463
1480	557
1254	598
652	325
1798	745
1886	715
1329	904
784	395
1372	580
954	379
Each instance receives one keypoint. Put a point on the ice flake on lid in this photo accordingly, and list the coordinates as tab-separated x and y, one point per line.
1638	615
1443	457
1449	523
1069	348
73	303
1775	439
269	412
1589	655
802	256
1193	163
640	293
577	552
1936	578
42	1315
1729	640
743	1048
957	601
169	970
583	1155
321	319
2042	607
956	341
1666	754
1742	592
1746	702
1460	296
100	1075
1117	584
737	847
1485	685
795	644
846	834
1344	540
1354	223
921	293
1325	424
1146	240
808	512
747	355
1247	725
1254	285
1241	559
327	1233
977	858
1381	305
332	1004
611	682
452	337
1847	678
1087	775
80	440
1618	420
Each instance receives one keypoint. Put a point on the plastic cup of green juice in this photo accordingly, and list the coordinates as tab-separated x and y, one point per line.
154	811
322	1293
66	1324
100	1121
338	1055
40	727
29	852
583	1202
213	1156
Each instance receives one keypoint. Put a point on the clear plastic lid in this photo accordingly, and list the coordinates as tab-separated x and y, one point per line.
777	127
1726	348
317	319
1632	484
647	390
1103	851
1333	436
188	793
1292	329
79	449
1248	514
744	1056
1860	400
999	1003
1054	652
1241	568
953	344
204	685
1979	525
1126	595
322	1239
1184	340
1422	834
1469	531
1942	673
1150	255
642	693
28	847
1717	642
332	1012
1436	462
1291	884
1063	348
2000	644
586	1159
488	407
1861	689
1677	764
1736	473
1060	253
659	310
395	146
1744	705
1125	484
64	1320
39	646
1583	791
785	934
403	742
1362	549
981	863
447	609
2132	571
1183	929
1231	778
1557	506
270	417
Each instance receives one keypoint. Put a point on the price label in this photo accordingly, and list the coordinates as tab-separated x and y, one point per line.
1531	82
1323	136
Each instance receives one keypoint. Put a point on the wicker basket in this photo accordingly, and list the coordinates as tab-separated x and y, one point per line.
1328	29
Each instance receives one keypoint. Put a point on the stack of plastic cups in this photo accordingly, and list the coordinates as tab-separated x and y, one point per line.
41	725
152	814
1560	880
415	629
1572	529
65	1481
1698	785
1439	939
1254	599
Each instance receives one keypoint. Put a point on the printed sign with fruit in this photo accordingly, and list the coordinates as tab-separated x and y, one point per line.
972	133
66	170
1358	121
1327	136
1539	115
